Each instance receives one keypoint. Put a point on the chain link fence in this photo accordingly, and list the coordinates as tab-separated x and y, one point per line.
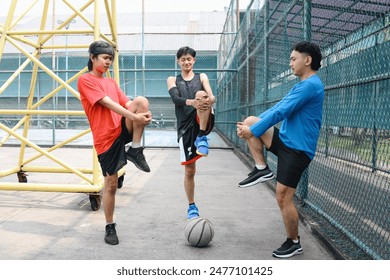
135	79
346	189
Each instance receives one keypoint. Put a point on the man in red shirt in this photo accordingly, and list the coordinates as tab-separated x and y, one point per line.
115	121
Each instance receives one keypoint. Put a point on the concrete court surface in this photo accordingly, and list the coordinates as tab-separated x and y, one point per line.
150	213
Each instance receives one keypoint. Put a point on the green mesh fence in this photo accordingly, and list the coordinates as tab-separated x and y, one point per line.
136	79
347	186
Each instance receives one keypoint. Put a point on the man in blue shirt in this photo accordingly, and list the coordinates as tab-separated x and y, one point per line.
294	144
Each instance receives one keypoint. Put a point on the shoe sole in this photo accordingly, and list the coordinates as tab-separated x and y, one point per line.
260	180
201	154
296	252
189	219
109	243
136	165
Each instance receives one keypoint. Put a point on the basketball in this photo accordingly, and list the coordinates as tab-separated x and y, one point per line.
199	232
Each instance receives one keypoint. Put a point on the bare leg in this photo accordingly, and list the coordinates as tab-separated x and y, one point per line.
138	105
189	181
284	197
109	190
256	145
203	115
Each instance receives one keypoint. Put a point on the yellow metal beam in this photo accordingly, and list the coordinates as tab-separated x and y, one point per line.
7	26
21	38
96	27
43	67
28	8
47	154
56	90
51	32
59	145
14	76
52	169
41	112
67	188
10	171
18	125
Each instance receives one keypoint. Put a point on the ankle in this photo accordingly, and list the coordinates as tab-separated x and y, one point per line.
261	166
135	145
202	133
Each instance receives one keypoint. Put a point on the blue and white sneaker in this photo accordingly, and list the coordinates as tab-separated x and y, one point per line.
192	212
202	147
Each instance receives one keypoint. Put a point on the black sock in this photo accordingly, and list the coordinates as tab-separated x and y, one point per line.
202	133
192	203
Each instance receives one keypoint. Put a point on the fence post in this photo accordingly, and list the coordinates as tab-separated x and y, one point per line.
307	20
307	37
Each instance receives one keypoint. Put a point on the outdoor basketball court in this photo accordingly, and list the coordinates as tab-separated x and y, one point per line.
150	213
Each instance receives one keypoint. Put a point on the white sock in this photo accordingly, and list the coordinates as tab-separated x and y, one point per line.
260	167
135	145
296	241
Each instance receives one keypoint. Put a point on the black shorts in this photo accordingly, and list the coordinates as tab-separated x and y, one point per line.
112	160
291	162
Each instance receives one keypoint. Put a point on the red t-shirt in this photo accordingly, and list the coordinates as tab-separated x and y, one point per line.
105	123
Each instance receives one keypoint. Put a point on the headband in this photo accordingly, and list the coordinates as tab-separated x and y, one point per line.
103	50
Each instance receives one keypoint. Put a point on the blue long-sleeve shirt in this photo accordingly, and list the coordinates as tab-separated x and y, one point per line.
301	113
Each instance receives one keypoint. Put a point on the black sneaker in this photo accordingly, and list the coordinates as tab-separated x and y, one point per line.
111	237
120	181
253	172
257	176
288	249
136	156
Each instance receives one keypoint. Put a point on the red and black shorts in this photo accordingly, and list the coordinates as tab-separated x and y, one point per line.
188	153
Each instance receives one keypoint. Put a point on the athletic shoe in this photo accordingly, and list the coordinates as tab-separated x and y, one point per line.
192	212
120	181
257	176
111	237
202	147
288	249
136	156
253	172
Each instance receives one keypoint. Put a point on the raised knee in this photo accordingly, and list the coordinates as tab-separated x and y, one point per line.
141	100
199	94
251	120
139	104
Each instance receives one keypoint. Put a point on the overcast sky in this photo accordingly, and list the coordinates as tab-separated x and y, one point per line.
130	5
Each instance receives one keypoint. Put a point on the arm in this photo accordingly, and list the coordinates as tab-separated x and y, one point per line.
139	117
291	103
175	95
207	88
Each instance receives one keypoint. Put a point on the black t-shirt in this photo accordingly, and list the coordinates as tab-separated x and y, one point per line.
186	115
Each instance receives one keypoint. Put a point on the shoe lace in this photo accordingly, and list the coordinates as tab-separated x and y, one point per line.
253	172
192	209
140	155
286	244
111	230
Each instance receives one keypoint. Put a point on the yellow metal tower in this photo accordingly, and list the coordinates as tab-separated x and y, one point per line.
30	43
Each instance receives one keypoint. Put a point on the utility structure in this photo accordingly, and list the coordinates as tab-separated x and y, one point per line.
31	43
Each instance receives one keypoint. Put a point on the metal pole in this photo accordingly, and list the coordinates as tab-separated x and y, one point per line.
304	183
143	60
307	20
66	67
53	62
143	48
66	75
